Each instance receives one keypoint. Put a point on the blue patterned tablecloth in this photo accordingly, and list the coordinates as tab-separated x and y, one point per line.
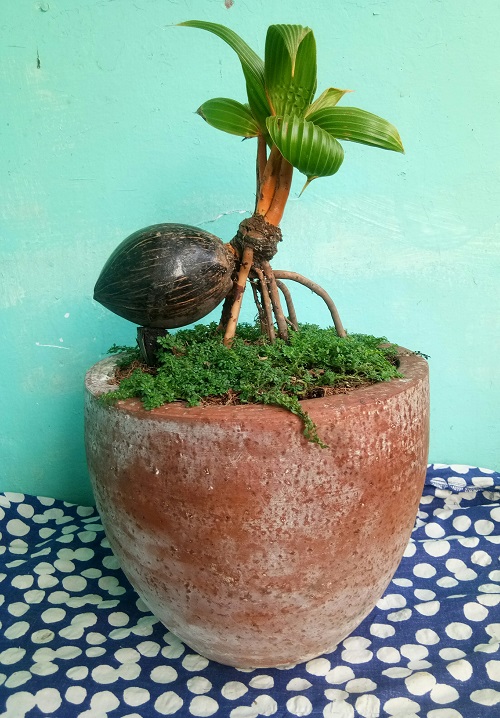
76	641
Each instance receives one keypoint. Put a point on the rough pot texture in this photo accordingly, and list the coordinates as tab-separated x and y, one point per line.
256	547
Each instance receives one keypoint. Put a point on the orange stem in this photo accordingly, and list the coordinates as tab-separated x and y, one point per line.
281	193
261	160
269	180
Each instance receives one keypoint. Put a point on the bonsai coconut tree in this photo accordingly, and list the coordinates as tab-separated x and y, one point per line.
256	547
293	131
171	275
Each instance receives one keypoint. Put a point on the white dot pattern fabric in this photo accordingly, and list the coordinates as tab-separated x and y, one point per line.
76	641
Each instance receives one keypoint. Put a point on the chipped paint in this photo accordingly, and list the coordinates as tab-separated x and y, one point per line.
51	346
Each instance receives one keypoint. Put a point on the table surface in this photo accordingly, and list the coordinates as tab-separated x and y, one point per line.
76	641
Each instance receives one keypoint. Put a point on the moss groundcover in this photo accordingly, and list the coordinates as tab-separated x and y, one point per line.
194	366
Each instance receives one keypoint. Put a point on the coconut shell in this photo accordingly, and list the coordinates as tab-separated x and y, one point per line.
166	276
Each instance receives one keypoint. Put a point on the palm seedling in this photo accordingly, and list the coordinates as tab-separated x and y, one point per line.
293	130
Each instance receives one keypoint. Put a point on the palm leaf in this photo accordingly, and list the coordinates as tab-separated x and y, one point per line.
290	68
307	147
350	123
229	116
328	98
251	63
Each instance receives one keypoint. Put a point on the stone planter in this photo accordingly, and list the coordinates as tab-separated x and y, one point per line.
254	546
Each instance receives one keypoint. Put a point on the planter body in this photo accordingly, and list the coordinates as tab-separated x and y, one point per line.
256	547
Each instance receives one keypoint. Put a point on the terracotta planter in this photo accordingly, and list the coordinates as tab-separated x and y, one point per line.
254	546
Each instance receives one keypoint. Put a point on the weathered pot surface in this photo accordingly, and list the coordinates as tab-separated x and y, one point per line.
256	547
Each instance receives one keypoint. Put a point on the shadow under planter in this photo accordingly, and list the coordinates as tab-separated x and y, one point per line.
256	547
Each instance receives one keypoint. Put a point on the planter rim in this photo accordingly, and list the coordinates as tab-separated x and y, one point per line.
99	380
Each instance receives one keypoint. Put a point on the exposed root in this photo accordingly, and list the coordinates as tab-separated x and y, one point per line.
317	289
292	316
266	304
260	308
256	243
238	290
275	301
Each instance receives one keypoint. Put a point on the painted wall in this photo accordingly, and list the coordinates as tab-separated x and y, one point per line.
99	138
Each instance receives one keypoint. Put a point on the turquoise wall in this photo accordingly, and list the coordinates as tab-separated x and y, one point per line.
99	138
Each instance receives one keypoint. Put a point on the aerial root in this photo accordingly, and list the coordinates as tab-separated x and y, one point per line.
266	285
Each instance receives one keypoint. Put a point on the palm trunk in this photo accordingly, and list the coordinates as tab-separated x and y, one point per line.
256	244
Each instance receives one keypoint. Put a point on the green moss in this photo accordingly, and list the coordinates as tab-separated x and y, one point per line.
195	366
